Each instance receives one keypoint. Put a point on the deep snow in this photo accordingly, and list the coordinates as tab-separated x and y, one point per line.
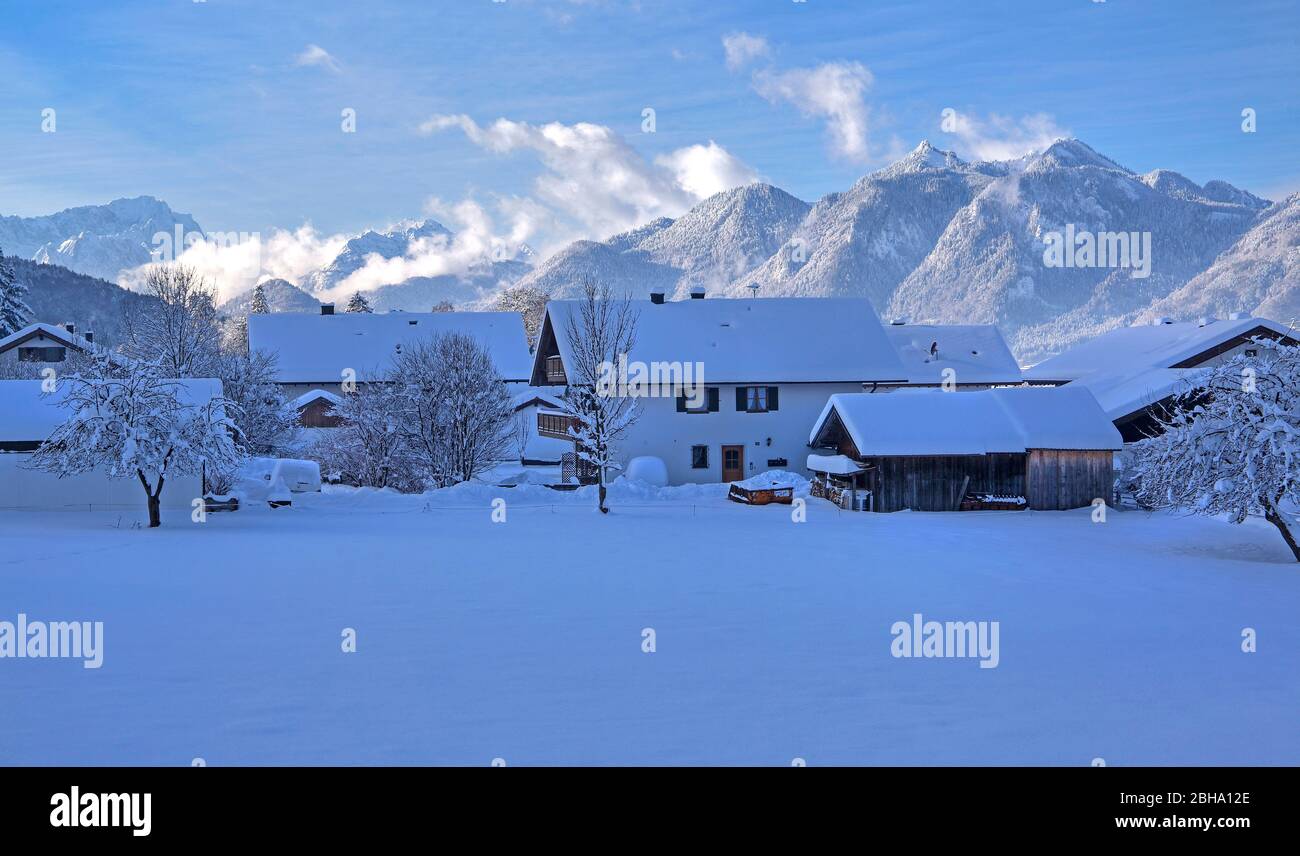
522	640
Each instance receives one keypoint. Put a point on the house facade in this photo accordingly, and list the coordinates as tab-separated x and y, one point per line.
760	370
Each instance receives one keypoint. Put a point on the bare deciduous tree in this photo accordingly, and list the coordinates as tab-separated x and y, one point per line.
599	328
179	333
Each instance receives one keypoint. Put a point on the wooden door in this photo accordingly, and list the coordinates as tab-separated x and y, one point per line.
733	463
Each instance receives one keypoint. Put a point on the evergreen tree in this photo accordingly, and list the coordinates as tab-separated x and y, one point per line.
358	303
259	306
15	314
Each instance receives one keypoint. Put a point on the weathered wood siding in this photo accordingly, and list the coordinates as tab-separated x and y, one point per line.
935	483
1058	480
318	414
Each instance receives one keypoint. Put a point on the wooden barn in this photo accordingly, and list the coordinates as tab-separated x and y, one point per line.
929	450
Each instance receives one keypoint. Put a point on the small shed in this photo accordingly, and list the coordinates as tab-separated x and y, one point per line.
316	409
930	450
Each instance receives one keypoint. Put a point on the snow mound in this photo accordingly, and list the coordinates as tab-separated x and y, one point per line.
648	469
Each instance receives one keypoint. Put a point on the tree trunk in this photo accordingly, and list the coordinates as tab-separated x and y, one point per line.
1272	515
601	492
155	519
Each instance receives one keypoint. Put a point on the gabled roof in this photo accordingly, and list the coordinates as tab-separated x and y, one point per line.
313	395
976	353
934	422
26	414
742	340
317	348
52	331
1123	393
541	396
1161	345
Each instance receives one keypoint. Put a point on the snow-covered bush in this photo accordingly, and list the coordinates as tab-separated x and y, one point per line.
368	449
132	423
1236	452
266	422
458	417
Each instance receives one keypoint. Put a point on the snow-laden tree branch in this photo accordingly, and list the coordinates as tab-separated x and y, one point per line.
1236	451
130	422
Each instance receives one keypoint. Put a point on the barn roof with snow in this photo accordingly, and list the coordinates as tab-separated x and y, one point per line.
315	348
931	422
28	416
55	332
743	340
976	353
1158	345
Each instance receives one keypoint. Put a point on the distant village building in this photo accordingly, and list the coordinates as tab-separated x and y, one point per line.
319	352
930	450
1138	373
37	346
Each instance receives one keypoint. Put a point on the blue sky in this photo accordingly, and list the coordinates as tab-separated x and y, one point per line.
224	109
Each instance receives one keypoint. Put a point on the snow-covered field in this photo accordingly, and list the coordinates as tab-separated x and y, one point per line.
522	640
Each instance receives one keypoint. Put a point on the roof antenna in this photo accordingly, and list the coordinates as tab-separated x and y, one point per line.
753	289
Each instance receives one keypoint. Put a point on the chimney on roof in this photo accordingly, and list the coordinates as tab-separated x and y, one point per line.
697	292
327	309
89	336
1161	321
753	289
1205	321
898	322
69	326
656	297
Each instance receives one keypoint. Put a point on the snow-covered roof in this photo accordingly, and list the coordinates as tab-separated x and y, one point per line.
976	353
742	340
317	348
1146	346
28	415
312	395
836	465
1122	393
934	422
52	331
542	396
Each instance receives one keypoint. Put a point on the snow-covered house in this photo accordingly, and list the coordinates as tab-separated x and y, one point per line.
766	367
315	409
1138	372
956	356
929	450
321	351
38	346
28	417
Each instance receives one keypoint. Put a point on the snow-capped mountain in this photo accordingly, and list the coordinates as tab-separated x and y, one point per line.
390	244
932	237
718	241
97	240
1260	272
990	264
281	296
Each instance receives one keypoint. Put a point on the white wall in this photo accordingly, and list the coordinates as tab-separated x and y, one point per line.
28	489
663	432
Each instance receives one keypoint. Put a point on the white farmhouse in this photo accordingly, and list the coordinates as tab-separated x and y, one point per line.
768	366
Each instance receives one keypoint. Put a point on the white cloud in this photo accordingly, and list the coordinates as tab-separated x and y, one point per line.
834	91
742	49
317	55
703	170
594	177
1001	137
